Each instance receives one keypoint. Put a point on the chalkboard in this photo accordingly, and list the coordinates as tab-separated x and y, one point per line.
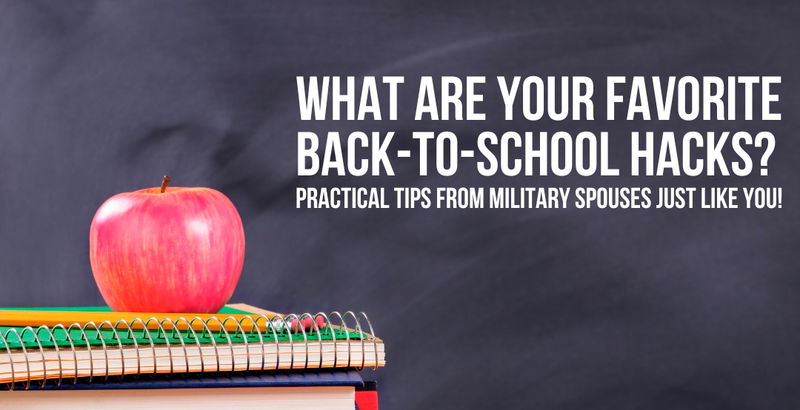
480	308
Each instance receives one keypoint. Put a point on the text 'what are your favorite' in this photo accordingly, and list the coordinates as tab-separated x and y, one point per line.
648	101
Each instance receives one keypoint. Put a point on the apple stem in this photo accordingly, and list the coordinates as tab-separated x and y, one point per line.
164	183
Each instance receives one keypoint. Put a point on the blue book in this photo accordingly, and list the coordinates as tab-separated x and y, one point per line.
206	380
317	390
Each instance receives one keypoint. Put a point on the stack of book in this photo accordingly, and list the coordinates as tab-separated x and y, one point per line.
240	358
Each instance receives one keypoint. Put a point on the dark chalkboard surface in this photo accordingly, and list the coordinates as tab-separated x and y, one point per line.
546	309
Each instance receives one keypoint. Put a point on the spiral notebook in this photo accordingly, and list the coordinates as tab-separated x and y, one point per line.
256	341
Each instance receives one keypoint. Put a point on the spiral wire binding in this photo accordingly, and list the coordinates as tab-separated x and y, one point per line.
58	353
149	338
160	332
10	360
132	336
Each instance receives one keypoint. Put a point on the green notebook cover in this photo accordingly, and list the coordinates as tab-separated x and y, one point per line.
27	339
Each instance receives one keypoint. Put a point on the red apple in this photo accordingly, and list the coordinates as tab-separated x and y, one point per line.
167	249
